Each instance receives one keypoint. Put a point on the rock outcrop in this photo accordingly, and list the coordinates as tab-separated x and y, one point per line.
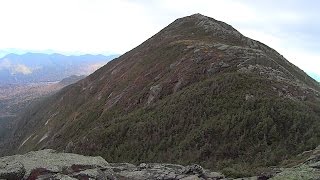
49	164
310	169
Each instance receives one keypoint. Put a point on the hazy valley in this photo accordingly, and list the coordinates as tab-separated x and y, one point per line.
27	78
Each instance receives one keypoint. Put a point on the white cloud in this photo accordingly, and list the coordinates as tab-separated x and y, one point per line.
305	60
22	69
6	64
73	25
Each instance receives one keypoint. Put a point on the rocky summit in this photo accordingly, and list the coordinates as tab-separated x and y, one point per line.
48	164
197	92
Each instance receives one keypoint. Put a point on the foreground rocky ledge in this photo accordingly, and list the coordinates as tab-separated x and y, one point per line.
49	164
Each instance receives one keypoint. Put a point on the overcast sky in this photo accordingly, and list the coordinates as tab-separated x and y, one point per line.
291	27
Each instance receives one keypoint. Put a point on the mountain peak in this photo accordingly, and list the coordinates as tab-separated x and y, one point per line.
198	15
208	22
193	88
200	27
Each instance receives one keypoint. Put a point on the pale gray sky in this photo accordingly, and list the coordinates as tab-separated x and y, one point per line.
115	26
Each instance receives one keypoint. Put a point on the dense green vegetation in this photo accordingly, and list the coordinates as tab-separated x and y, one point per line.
212	123
4	126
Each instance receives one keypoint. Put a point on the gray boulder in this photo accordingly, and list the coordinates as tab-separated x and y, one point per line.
47	163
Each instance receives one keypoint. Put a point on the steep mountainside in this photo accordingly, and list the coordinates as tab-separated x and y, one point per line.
196	92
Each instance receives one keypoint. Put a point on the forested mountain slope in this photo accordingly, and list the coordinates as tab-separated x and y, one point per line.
196	92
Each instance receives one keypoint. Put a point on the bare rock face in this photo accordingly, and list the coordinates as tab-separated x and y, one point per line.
12	170
154	93
49	164
46	164
164	171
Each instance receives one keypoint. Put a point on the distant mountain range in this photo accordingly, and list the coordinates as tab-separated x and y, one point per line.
38	67
6	51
